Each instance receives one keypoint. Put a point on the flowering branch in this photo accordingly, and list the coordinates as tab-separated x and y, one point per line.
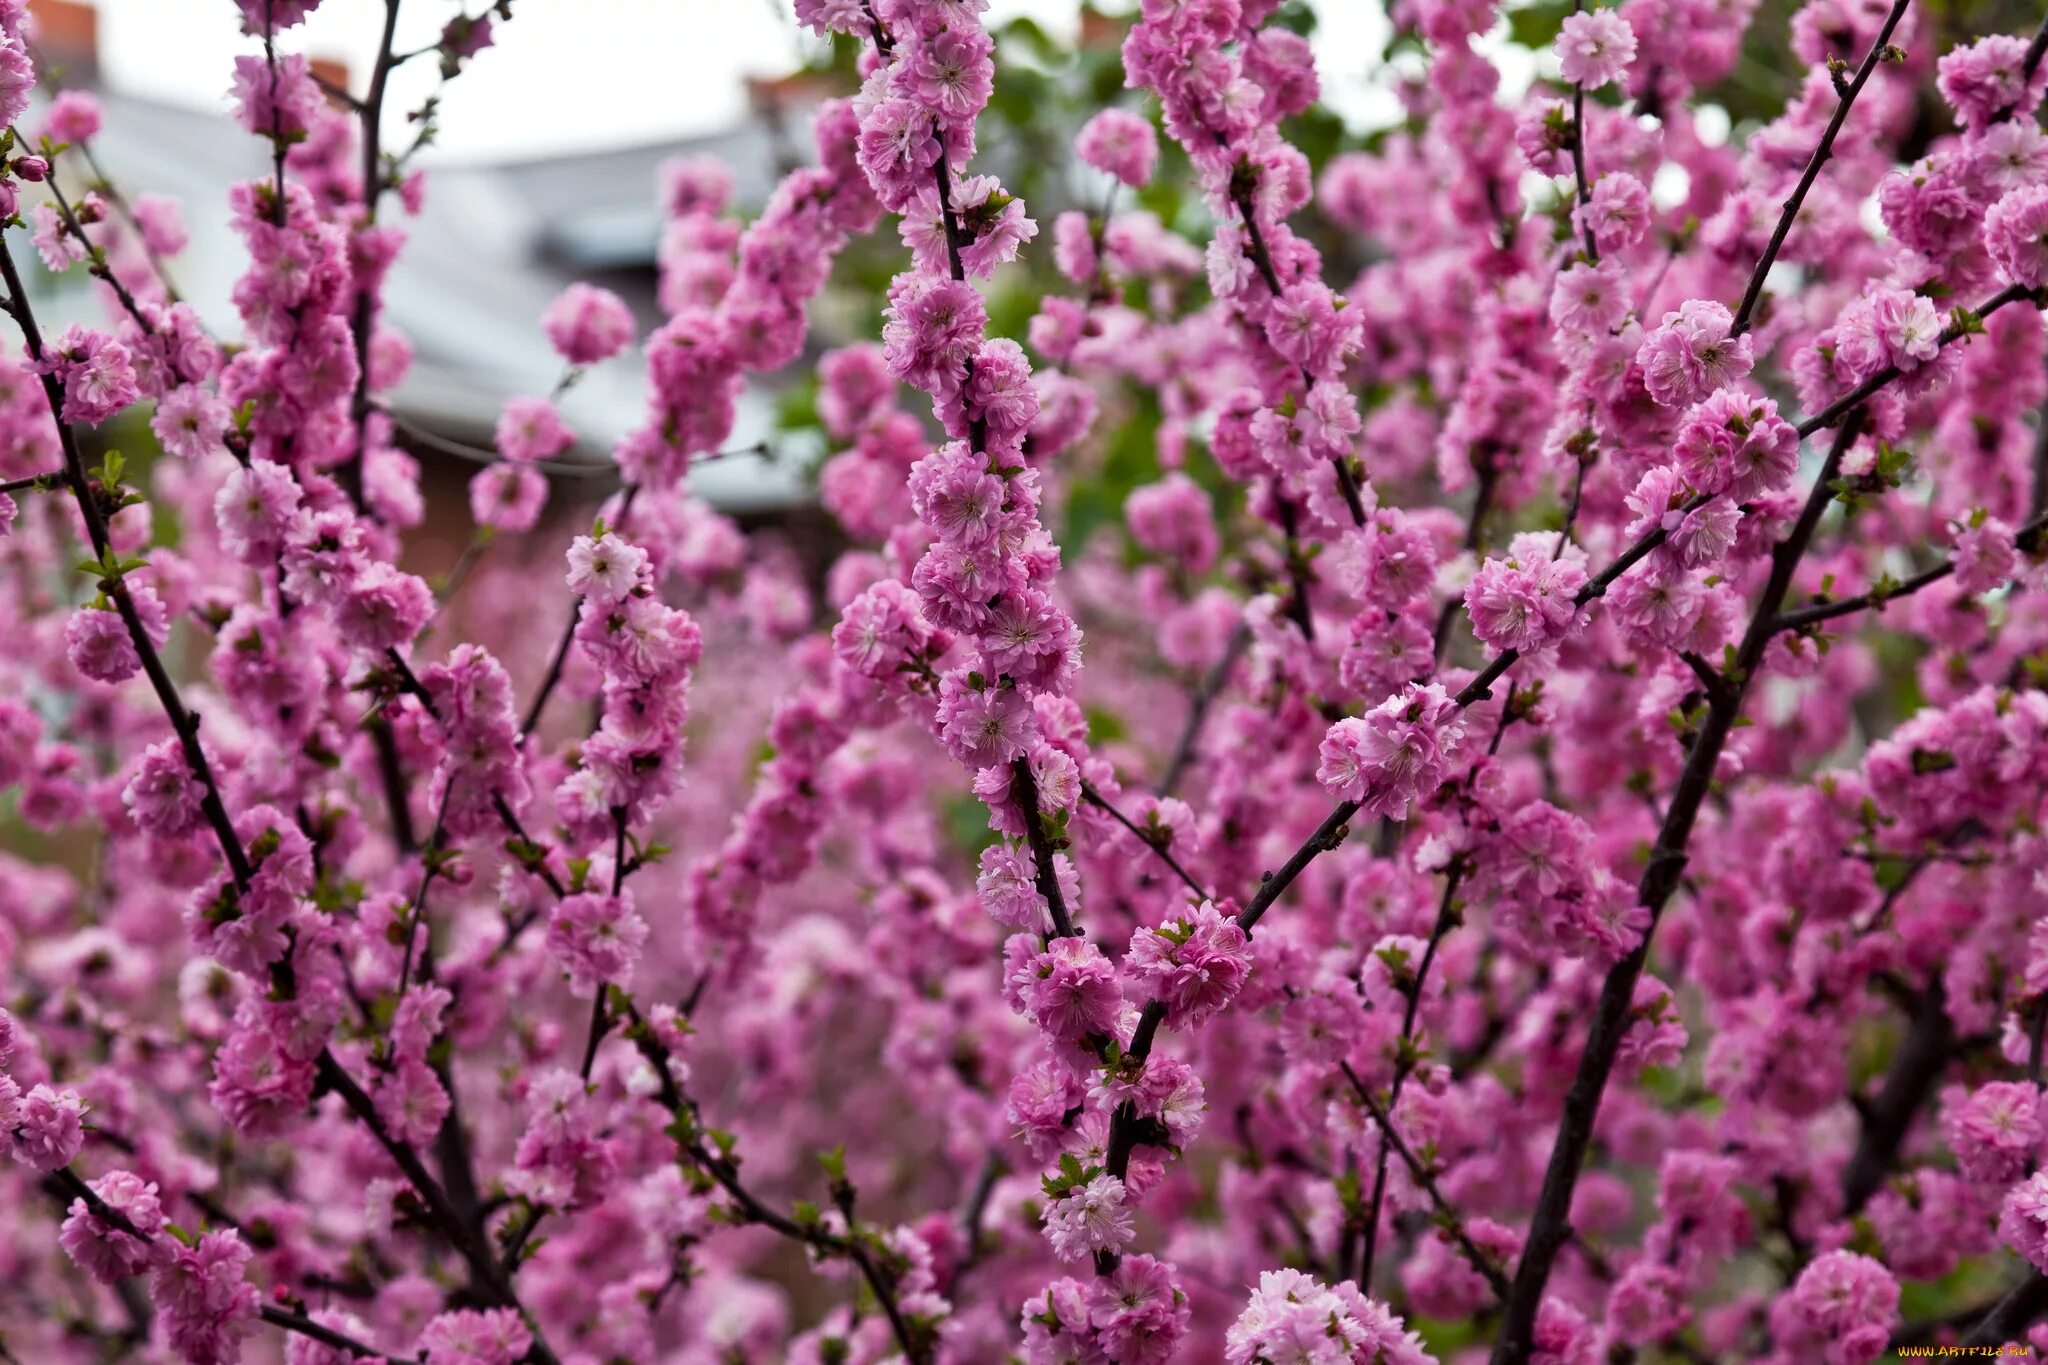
1549	1228
1805	618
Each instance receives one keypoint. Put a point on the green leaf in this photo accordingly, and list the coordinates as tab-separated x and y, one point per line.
1537	26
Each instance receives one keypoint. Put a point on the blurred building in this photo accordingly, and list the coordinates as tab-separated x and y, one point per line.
494	244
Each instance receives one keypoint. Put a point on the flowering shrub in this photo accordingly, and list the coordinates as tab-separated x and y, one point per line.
1528	843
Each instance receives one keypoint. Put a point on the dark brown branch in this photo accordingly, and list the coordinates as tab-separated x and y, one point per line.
1550	1228
1916	1070
1821	151
1198	711
1096	799
1046	872
370	113
1446	1212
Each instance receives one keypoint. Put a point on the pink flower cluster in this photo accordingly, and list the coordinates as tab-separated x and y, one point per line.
1544	858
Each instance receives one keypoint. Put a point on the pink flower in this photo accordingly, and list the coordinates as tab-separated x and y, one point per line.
1173	518
952	492
1986	554
605	568
1988	80
1396	753
1069	990
854	389
883	631
1293	1316
1995	1130
931	328
1844	1304
597	939
384	608
56	244
1119	143
99	646
531	429
411	1102
1694	539
95	371
49	1128
1594	47
1691	354
999	394
897	150
468	1336
2023	1220
983	727
1737	444
1525	605
255	510
1195	964
1886	328
1648	1304
1311	330
190	421
1618	209
164	797
1590	299
103	1250
832	16
17	80
73	116
1137	1314
276	100
507	497
2016	235
586	324
951	72
1089	1218
204	1296
273	16
1007	886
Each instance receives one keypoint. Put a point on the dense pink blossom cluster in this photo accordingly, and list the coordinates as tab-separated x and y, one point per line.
1543	862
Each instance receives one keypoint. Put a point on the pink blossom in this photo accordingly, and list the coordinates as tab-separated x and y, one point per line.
1292	1316
1088	1219
1995	1131
1589	299
2023	1220
586	324
507	497
1119	143
1618	211
96	373
1988	79
1069	990
2016	234
204	1296
1195	964
1691	354
103	1250
605	567
1594	47
48	1128
531	429
597	939
494	1336
164	797
190	422
1525	605
1395	754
